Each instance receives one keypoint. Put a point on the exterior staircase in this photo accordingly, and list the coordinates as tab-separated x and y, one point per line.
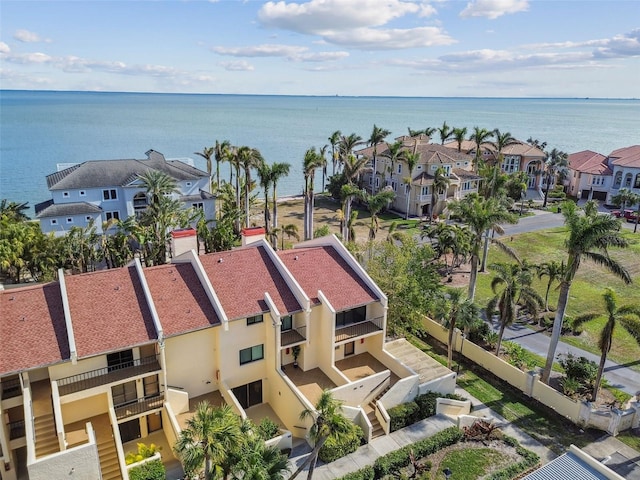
46	437
370	410
109	465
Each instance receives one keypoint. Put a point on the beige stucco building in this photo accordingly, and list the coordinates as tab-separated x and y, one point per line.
98	360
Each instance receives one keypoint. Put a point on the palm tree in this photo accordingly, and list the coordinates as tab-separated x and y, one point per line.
455	310
554	271
208	438
441	182
502	141
312	161
290	230
353	167
346	217
458	135
623	198
377	136
265	177
512	289
256	461
207	153
323	162
221	152
328	421
537	143
480	137
412	160
334	139
248	158
375	203
480	215
445	133
414	133
13	210
556	165
347	144
279	170
395	153
589	236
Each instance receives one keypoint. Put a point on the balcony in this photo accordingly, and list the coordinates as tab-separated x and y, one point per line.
293	336
104	376
10	388
354	330
424	198
16	429
142	405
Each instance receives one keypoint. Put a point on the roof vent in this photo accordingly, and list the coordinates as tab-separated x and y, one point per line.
117	287
219	260
296	257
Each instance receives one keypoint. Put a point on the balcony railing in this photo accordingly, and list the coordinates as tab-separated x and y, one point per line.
16	429
360	329
10	388
295	335
104	376
142	405
424	198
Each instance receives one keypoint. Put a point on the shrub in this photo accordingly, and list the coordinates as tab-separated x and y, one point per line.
366	473
518	356
153	470
348	443
529	460
403	415
142	453
478	332
268	429
579	368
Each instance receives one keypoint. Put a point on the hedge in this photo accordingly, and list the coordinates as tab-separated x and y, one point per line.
153	470
366	473
349	443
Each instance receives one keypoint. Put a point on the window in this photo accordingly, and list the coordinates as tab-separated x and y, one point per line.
254	319
199	205
65	194
419	167
188	184
119	360
424	191
110	194
394	185
54	221
69	220
251	354
112	215
377	182
348	317
349	348
151	385
511	163
287	323
627	180
618	180
597	180
82	193
88	218
637	182
124	393
399	168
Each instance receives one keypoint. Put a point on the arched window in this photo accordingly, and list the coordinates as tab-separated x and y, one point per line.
637	183
627	180
618	180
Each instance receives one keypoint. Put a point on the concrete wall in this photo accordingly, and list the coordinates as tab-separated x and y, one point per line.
183	353
354	394
85	408
238	337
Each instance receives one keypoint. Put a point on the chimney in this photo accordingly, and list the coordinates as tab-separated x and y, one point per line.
184	240
252	234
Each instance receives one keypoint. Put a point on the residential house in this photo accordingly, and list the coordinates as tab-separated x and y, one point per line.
415	193
96	362
589	175
625	165
101	190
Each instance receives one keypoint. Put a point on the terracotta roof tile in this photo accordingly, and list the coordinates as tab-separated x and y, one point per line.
180	300
626	157
589	162
322	268
108	311
241	277
32	328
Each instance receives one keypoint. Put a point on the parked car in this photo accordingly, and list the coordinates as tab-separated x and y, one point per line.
633	218
623	213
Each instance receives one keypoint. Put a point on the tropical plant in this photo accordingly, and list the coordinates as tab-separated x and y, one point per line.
480	136
323	165
259	462
590	235
279	170
412	160
334	140
290	230
377	136
556	166
395	153
265	178
249	159
328	422
345	215
554	271
453	310
222	151
445	132
512	290
208	438
375	203
13	210
449	239
628	316
312	161
441	182
459	134
207	153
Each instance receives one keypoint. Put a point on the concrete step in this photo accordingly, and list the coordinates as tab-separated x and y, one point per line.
109	465
46	438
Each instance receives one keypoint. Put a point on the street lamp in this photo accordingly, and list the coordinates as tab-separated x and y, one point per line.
447	473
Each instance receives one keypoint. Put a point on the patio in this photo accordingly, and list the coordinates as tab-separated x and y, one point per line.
357	367
311	383
258	412
214	398
159	439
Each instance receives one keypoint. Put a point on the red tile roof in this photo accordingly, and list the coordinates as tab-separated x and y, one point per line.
108	311
589	162
322	268
626	157
32	328
181	301
241	278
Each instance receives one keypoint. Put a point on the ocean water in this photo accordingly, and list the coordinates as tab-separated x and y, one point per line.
40	129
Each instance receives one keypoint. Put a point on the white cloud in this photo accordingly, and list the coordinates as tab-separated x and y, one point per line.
619	46
28	37
493	9
4	48
427	10
265	50
391	39
320	56
237	66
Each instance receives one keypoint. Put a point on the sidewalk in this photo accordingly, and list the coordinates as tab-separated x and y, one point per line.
367	454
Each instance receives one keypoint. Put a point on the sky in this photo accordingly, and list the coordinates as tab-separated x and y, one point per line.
433	48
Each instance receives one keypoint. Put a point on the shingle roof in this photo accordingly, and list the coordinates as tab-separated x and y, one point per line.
241	277
322	268
109	173
200	196
626	157
466	174
32	328
109	311
64	209
589	162
180	299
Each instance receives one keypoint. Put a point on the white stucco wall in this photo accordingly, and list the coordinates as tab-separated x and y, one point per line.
78	463
191	361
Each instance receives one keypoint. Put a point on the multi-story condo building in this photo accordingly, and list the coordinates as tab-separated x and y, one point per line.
101	190
94	361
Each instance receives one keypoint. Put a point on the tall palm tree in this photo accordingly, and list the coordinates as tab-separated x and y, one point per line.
441	182
265	177
480	215
512	289
480	136
207	153
259	462
208	438
221	153
554	271
249	159
334	139
453	310
445	133
328	421
290	230
414	133
502	140
353	167
429	131
589	237
377	136
13	210
458	135
375	203
556	165
412	159
347	218
279	170
537	143
347	145
323	161
628	316
312	161
395	153
623	198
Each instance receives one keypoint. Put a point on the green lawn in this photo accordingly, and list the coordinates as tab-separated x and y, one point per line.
586	290
471	463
